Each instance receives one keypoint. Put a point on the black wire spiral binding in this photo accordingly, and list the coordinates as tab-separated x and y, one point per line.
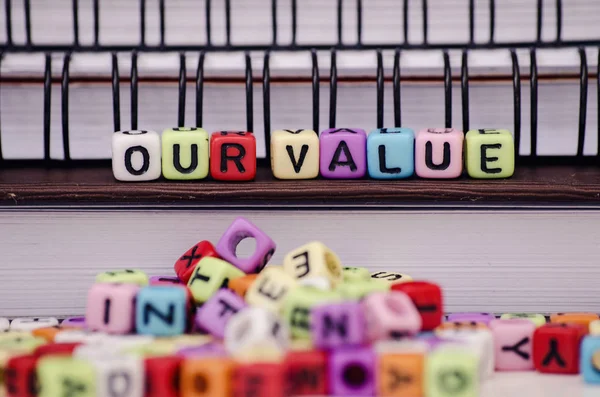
69	50
1	155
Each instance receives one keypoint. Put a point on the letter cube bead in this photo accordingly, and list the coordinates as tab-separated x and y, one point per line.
126	276
427	298
537	319
161	310
484	318
298	304
65	376
306	373
489	153
74	322
337	324
211	274
162	376
209	377
162	280
214	315
574	318
119	376
390	153
314	259
556	348
111	307
461	326
4	324
136	155
270	289
240	229
594	328
480	341
48	333
439	153
19	376
259	379
185	265
451	372
590	359
356	290
390	277
390	315
513	341
64	349
255	328
241	285
350	273
233	156
30	323
185	153
401	374
295	154
343	153
352	372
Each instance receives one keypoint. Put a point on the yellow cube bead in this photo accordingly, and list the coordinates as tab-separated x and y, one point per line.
270	288
355	273
595	328
297	306
20	342
489	153
185	153
537	319
295	154
126	276
452	372
65	376
390	277
209	275
314	260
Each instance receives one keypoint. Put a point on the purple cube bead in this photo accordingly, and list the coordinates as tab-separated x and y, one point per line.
352	372
215	313
343	153
484	318
338	324
164	279
78	322
240	229
211	349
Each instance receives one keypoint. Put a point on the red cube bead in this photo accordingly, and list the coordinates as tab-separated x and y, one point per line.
20	376
556	348
64	349
233	156
185	265
306	373
162	376
427	298
259	380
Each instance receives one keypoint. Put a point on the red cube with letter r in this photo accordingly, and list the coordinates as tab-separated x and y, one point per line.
233	156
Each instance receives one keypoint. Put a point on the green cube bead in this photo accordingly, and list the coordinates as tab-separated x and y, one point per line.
355	273
211	274
185	153
22	342
297	306
356	290
126	276
65	376
537	319
452	372
489	153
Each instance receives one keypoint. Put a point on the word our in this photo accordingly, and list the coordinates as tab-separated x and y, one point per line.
186	153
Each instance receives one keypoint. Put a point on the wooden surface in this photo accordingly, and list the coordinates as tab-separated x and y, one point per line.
555	185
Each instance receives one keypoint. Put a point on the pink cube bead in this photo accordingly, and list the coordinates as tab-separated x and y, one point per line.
343	153
390	315
513	341
337	324
240	229
215	313
111	308
439	153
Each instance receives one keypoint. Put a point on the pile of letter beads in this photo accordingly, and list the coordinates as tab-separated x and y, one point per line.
337	153
231	326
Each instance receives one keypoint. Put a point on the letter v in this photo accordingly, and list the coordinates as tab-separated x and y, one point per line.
297	164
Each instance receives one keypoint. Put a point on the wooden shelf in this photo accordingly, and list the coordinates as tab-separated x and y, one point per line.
542	185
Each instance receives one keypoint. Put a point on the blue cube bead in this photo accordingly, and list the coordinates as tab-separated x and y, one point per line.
590	359
391	153
161	310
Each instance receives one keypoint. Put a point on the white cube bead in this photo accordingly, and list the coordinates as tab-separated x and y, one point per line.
30	323
118	376
136	155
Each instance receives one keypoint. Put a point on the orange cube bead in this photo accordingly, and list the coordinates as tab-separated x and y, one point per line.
240	285
206	377
49	333
401	375
574	318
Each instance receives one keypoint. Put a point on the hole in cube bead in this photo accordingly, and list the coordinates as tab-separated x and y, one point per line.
354	375
245	247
